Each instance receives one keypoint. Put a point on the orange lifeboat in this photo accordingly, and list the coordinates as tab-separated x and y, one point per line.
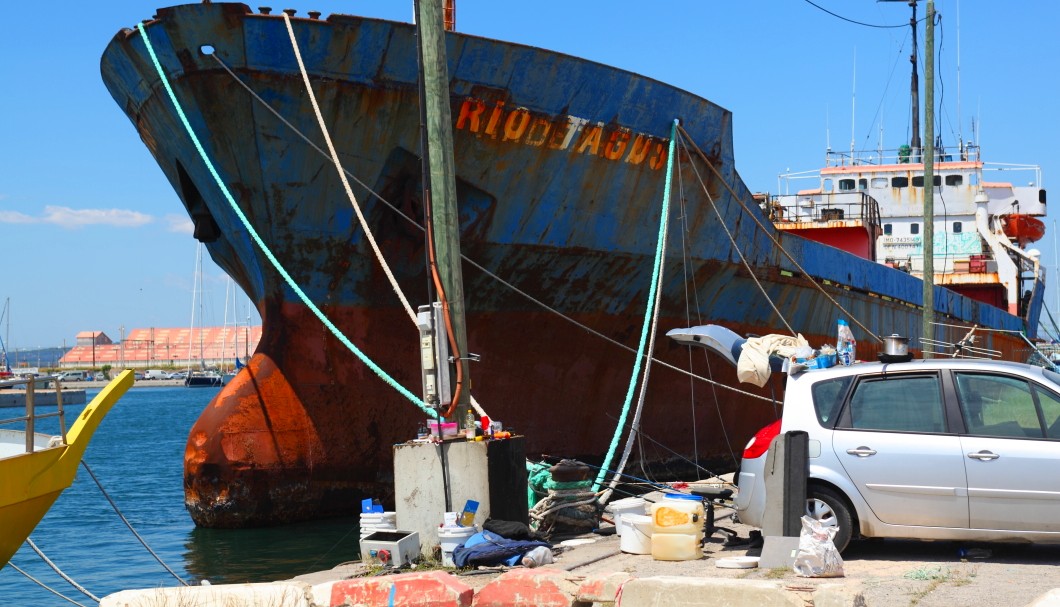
1024	228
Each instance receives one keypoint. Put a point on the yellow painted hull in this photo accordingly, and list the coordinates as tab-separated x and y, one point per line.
33	481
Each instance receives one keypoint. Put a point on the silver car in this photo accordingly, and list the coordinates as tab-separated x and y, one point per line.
942	449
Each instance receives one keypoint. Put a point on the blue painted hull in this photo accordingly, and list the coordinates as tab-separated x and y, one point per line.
560	168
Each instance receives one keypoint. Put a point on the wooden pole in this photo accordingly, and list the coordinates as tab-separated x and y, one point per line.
441	176
929	175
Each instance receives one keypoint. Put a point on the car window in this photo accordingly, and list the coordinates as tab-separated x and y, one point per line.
828	399
1050	405
998	405
911	403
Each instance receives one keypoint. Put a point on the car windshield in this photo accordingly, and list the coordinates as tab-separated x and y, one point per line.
1053	377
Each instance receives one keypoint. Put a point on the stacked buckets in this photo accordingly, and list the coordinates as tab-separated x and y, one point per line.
377	521
633	527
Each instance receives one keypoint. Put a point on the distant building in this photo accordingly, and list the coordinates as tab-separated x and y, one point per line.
93	338
164	347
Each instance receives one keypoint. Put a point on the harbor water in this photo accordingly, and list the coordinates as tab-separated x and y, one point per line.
137	455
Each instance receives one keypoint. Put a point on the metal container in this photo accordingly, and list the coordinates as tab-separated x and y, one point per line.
895	345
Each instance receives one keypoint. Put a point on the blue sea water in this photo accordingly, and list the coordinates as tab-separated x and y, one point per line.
137	455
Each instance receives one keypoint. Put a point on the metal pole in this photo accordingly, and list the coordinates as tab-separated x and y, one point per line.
30	429
929	176
914	92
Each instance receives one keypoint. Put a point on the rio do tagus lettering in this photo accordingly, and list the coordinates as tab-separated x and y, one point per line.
562	133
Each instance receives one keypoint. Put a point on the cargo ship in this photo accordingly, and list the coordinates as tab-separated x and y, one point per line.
560	167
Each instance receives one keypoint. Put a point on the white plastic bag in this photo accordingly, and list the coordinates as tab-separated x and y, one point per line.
817	556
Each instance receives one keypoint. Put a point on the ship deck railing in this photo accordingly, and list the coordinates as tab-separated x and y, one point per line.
989	171
822	208
28	422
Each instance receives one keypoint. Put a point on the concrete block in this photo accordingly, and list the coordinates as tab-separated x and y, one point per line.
602	589
427	589
668	591
275	594
539	587
493	473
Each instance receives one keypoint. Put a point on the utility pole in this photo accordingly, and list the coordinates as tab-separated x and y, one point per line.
929	175
440	181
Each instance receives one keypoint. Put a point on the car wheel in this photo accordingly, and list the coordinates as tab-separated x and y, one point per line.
827	506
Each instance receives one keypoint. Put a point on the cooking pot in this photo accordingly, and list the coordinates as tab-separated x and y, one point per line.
895	345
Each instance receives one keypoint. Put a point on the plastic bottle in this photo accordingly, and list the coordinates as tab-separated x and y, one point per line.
469	425
845	344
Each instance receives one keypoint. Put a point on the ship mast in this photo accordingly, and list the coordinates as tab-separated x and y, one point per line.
914	92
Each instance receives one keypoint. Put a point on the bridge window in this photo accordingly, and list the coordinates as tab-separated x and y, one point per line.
954	179
957	227
914	228
887	229
899	182
826	185
918	181
879	182
863	184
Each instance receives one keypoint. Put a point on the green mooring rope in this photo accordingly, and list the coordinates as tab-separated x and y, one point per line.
647	313
265	249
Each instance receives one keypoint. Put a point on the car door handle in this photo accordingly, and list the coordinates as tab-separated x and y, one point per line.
984	455
862	451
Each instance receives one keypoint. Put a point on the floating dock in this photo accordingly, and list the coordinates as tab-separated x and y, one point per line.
17	398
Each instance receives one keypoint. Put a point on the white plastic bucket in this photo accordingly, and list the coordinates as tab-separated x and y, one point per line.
629	505
450	539
636	534
377	521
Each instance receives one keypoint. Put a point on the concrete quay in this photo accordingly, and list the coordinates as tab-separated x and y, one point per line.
592	571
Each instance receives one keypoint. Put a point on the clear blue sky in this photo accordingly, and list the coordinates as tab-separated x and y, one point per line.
95	238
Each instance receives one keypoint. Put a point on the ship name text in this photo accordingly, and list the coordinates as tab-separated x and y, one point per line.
562	133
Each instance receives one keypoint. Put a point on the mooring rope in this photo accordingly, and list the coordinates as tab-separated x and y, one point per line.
342	173
265	249
651	311
45	586
129	525
634	426
773	238
345	172
472	262
739	252
60	572
690	279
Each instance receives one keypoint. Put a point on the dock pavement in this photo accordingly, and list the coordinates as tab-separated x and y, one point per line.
591	570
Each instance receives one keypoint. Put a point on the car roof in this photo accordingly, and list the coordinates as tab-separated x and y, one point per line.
920	364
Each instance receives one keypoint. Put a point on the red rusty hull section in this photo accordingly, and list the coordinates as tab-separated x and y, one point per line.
307	431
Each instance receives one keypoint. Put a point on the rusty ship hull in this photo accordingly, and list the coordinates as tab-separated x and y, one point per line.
560	171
